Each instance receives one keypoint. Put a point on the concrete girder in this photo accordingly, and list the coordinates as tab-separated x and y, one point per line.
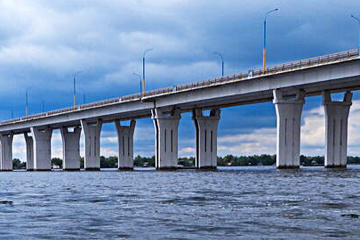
6	152
42	148
71	148
92	144
166	138
288	113
336	129
29	152
206	138
125	145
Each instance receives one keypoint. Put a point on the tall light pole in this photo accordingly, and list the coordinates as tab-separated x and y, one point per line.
27	101
84	94
143	80
222	62
42	105
26	104
264	48
358	20
74	96
139	76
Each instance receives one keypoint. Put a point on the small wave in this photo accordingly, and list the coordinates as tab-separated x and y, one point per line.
7	202
335	205
350	215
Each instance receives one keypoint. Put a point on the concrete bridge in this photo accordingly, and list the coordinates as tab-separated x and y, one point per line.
286	85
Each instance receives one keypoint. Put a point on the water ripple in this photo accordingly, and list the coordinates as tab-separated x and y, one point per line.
244	203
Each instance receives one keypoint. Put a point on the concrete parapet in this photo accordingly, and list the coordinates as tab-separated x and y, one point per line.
6	152
71	149
166	139
126	145
92	145
336	130
288	113
42	148
206	138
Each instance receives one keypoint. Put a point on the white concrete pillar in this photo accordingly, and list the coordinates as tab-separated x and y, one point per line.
126	145
29	152
336	130
166	139
92	145
42	148
71	148
206	138
6	152
288	113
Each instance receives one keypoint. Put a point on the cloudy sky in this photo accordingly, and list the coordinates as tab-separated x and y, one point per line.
43	43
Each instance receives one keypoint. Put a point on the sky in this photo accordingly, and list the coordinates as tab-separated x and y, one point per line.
44	43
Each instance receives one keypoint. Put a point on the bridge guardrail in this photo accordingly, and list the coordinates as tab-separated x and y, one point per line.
290	66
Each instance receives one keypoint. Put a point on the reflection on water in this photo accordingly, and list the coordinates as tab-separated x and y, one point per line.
233	203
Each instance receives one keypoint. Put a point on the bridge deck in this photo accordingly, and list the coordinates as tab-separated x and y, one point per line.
345	56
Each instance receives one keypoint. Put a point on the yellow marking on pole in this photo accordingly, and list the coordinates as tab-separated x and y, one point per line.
74	100
143	87
264	60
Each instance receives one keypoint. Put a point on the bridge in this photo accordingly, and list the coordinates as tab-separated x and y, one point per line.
286	85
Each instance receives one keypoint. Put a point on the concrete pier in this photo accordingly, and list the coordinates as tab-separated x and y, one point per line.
336	130
29	152
92	145
42	148
206	138
166	139
126	145
71	149
6	152
288	113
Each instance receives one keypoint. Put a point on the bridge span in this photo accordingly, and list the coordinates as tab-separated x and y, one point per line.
286	85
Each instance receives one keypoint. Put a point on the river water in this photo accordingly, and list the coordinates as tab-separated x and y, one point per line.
235	203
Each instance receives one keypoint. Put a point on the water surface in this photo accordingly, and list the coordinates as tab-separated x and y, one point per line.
244	203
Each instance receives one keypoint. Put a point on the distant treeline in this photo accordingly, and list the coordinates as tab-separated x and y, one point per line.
228	160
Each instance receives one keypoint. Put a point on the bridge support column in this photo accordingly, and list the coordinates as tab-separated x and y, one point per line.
29	152
42	148
206	138
125	143
288	113
71	149
6	152
336	130
92	145
166	139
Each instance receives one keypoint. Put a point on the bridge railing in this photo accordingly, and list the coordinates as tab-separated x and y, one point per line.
290	66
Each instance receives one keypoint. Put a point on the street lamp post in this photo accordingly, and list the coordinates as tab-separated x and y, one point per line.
143	80
264	48
139	76
26	103
222	62
84	94
74	96
358	20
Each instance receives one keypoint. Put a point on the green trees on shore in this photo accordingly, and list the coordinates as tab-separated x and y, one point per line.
228	160
17	164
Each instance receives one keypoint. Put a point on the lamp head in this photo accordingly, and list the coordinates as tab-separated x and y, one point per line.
148	50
